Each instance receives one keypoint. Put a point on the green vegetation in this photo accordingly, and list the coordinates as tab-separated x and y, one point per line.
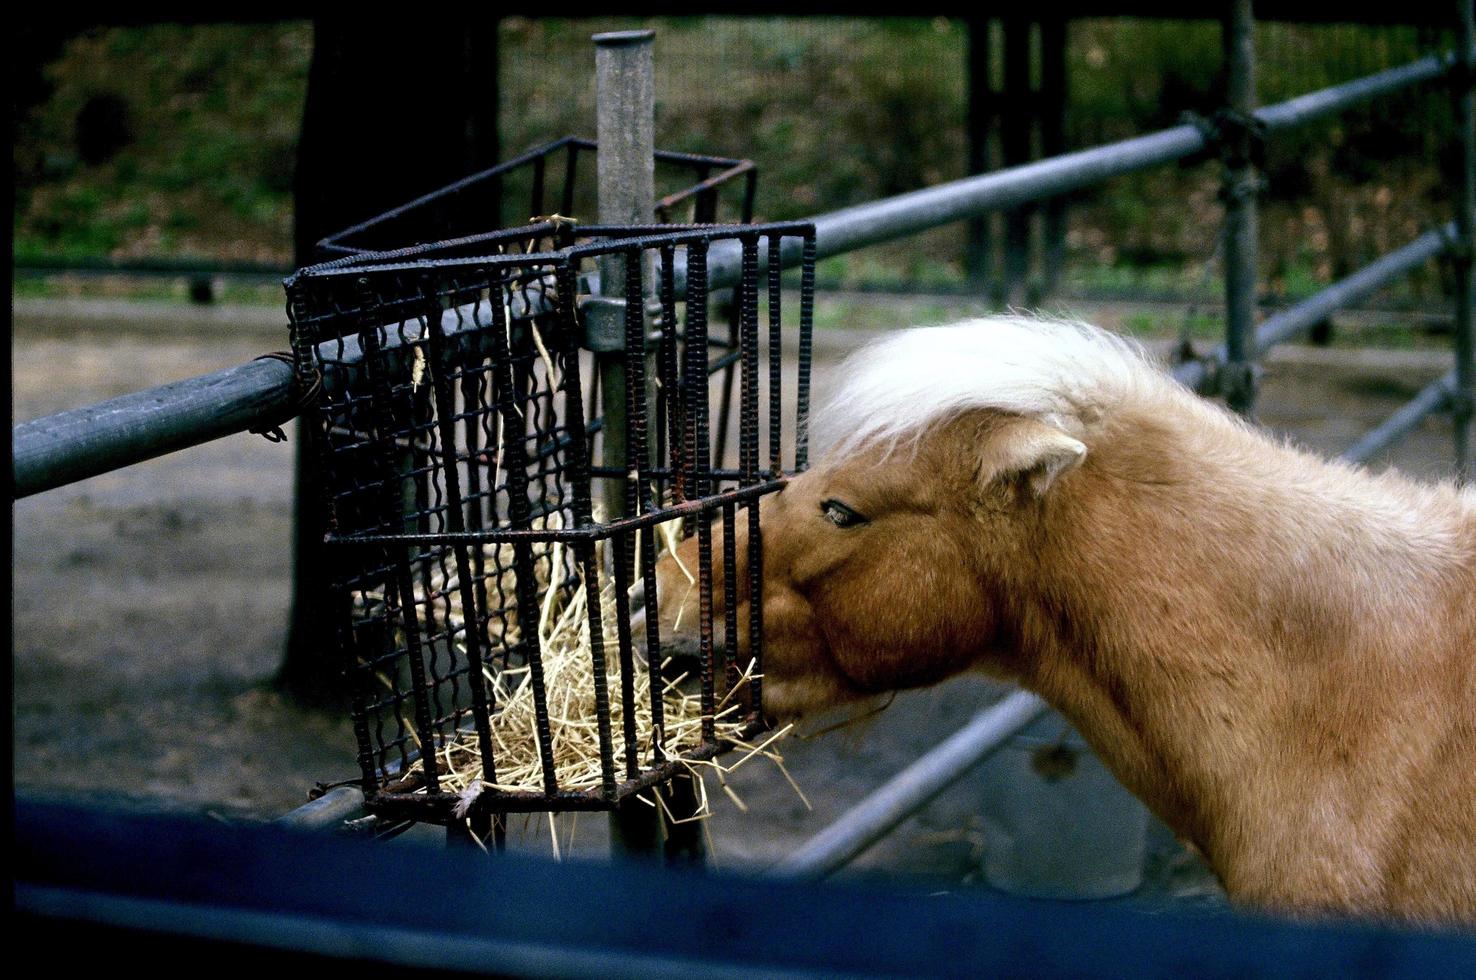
180	141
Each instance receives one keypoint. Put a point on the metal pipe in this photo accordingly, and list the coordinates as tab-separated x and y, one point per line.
55	450
327	812
911	789
916	211
1463	396
1293	320
1281	327
625	116
625	111
1337	98
1431	399
1239	186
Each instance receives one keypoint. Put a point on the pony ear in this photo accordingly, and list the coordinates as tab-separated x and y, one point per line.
1038	453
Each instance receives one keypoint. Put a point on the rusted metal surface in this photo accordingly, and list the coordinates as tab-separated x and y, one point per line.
455	444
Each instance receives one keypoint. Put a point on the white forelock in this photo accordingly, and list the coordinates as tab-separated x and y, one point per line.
1061	372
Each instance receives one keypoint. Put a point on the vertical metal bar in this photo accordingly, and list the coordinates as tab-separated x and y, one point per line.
730	596
539	163
653	646
979	250
395	557
590	569
776	360
1053	104
725	302
1015	143
571	174
685	843
471	612
1463	401
699	461
746	337
694	374
670	399
1239	192
514	453
755	606
807	320
635	482
472	408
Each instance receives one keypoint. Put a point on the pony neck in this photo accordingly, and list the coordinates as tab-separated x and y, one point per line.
1196	582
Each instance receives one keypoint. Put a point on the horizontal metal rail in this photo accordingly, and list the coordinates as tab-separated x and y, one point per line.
58	449
1432	398
916	211
911	789
1300	317
55	450
327	812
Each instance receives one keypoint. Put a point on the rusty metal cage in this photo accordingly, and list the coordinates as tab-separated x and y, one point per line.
465	473
545	180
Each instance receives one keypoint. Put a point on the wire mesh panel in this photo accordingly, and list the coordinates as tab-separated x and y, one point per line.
488	528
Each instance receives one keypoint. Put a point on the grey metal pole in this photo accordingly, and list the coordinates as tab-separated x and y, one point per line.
1431	399
55	450
911	789
625	117
1239	191
625	121
327	812
1463	398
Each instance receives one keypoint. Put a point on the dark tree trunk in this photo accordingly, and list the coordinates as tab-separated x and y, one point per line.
395	108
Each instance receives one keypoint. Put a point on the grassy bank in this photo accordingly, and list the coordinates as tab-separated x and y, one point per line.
181	141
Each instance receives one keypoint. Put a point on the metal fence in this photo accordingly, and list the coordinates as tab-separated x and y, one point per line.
70	446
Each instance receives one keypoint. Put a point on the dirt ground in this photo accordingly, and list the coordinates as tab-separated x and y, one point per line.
150	603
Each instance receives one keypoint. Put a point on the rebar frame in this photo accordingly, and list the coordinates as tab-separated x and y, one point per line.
455	448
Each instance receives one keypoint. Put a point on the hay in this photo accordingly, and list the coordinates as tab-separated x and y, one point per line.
568	671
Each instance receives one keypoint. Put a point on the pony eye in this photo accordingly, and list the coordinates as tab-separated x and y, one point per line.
839	514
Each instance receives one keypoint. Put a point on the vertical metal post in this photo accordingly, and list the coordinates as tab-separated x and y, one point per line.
626	126
1053	141
979	250
1239	191
1464	399
1015	143
625	123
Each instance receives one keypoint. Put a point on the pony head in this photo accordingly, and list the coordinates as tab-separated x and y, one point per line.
890	563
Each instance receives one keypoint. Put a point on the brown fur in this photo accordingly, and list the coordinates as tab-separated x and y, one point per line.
1276	653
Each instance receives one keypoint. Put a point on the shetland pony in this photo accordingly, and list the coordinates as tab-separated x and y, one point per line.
1277	653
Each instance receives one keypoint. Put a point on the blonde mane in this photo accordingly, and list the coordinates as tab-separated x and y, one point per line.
1062	372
